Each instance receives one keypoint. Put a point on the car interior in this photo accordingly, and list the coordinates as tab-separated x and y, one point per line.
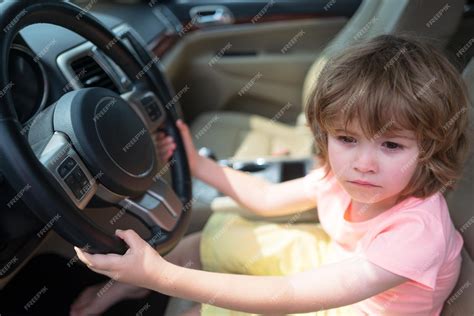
238	72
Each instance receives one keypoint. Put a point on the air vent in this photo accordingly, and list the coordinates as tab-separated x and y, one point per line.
90	74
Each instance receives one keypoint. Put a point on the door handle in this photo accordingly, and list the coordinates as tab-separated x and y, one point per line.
211	15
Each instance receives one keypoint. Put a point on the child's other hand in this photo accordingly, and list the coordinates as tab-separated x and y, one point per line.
136	266
165	145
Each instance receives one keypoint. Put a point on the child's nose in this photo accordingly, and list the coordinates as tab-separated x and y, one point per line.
366	161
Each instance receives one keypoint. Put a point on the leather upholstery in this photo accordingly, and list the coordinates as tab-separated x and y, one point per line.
243	136
461	201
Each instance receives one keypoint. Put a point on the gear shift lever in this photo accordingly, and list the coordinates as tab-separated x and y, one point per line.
207	152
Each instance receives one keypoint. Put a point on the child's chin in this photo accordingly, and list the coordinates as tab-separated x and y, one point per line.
365	195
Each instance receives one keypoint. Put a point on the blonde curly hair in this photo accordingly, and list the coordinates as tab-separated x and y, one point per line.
394	82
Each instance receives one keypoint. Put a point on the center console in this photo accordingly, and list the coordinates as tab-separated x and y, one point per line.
274	170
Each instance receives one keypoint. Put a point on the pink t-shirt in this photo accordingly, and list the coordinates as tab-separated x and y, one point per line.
415	239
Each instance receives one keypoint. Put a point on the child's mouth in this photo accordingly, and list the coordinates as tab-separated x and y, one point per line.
363	183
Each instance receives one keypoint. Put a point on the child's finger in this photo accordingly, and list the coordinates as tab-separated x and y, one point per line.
184	131
131	238
167	147
165	156
98	261
181	125
167	140
83	257
169	153
164	140
168	156
159	136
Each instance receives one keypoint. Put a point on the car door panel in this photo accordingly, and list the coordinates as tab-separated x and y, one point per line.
257	63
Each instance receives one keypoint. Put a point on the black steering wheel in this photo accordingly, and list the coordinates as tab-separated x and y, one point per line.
93	142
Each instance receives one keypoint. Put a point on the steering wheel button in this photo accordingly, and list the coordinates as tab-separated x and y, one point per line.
80	177
78	193
74	186
146	100
149	109
157	113
158	110
153	111
70	163
153	117
66	166
63	171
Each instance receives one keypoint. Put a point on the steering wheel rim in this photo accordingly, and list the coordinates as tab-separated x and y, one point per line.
22	167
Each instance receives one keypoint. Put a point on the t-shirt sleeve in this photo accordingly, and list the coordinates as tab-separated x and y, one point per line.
410	244
313	182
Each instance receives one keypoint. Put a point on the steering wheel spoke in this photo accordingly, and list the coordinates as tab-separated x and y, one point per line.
147	106
158	206
64	163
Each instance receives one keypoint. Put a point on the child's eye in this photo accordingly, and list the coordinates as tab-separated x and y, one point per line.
346	139
392	145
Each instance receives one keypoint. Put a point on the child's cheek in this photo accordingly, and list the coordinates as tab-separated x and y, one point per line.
399	172
394	183
339	157
334	156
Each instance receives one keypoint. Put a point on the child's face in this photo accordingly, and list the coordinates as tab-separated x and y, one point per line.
385	163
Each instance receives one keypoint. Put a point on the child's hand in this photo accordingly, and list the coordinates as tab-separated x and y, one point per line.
165	145
136	266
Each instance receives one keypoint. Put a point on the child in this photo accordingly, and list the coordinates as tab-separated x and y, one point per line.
389	120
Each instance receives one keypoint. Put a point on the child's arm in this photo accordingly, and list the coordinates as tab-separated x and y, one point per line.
329	286
260	196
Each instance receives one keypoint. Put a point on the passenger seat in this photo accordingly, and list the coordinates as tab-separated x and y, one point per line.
460	202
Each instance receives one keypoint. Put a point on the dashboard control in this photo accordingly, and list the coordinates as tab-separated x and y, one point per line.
151	107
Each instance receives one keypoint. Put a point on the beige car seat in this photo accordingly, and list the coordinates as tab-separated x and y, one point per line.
461	201
246	136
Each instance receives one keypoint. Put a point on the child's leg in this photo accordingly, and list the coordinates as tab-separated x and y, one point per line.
186	253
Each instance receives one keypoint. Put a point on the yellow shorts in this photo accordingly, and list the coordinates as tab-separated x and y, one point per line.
233	244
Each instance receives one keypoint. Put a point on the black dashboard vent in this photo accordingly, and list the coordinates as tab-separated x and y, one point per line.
90	74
